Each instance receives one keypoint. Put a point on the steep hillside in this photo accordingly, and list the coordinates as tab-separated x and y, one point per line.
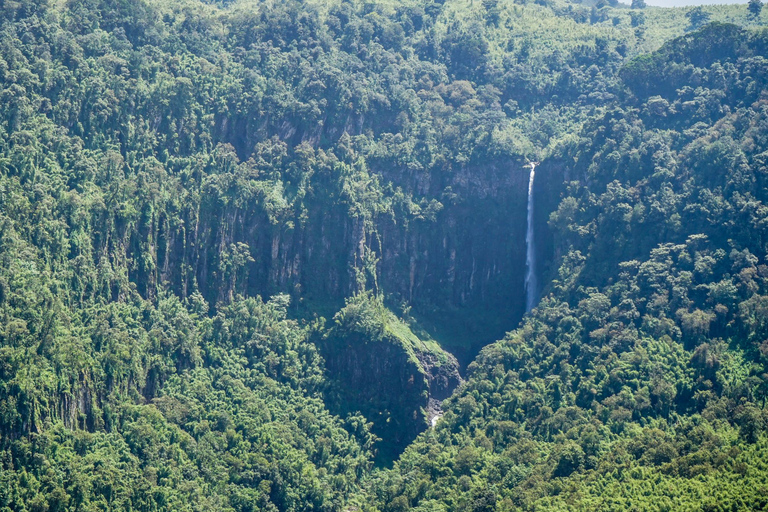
382	369
247	248
639	382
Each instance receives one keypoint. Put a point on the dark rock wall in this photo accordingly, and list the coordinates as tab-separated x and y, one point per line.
471	253
381	380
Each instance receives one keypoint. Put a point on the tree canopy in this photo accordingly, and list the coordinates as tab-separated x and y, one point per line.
247	247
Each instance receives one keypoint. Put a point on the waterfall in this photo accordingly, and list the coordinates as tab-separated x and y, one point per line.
530	249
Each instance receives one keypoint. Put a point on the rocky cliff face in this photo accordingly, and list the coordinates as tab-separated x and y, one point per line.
469	254
461	246
385	372
473	252
454	249
552	177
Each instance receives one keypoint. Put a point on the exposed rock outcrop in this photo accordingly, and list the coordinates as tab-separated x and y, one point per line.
384	371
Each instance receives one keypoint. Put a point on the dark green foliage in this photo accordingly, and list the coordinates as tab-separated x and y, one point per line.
640	380
697	17
674	66
164	164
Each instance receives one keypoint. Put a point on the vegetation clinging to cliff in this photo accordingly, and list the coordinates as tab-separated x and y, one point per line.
165	163
640	379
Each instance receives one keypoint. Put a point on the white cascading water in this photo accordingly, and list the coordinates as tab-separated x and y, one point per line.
530	249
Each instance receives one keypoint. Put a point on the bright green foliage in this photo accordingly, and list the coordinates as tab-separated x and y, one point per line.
164	410
164	164
640	381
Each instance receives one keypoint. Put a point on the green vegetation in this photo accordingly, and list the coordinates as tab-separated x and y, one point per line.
238	240
640	381
382	369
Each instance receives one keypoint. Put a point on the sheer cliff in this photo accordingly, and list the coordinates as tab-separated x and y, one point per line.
262	255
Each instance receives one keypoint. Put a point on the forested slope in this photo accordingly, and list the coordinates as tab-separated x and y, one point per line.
639	382
247	245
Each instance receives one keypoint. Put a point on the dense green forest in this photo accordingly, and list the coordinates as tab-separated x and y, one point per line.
262	255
